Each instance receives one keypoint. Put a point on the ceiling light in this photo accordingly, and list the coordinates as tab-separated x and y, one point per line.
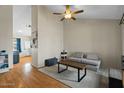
20	31
67	16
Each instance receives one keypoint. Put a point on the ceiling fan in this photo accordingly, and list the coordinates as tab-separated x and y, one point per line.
69	14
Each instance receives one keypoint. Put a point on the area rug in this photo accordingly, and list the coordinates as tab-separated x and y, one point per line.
69	77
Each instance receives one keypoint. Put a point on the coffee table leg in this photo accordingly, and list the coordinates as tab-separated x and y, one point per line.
62	69
79	79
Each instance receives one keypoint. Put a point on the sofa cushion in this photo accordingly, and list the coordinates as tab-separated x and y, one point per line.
77	55
92	56
2	58
75	59
91	62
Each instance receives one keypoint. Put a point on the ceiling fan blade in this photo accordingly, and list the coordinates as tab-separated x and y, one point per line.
79	11
73	18
58	13
62	19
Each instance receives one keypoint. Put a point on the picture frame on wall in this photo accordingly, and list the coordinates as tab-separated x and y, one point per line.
34	39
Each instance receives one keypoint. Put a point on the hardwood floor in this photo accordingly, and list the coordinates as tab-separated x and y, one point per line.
23	75
123	77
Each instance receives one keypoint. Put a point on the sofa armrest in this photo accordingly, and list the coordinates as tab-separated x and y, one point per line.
91	62
98	66
95	63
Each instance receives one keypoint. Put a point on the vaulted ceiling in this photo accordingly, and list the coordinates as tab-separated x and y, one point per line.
21	20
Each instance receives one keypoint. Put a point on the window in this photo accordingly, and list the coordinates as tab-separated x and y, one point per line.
27	45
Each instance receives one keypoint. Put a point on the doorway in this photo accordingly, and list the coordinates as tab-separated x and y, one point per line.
22	34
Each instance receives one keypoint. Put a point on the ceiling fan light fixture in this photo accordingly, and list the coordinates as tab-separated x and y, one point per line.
68	16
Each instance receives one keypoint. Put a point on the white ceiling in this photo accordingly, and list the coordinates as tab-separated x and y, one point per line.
93	11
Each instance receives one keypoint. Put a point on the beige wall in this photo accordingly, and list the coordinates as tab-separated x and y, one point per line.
122	30
6	29
34	28
50	35
98	36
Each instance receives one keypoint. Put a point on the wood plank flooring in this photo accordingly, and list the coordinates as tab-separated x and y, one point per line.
23	75
123	77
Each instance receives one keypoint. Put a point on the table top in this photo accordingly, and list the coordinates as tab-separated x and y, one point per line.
74	64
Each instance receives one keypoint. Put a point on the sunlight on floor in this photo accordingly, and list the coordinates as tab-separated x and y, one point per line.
27	64
27	68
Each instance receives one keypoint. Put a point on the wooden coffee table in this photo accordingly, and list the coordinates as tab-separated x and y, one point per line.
79	66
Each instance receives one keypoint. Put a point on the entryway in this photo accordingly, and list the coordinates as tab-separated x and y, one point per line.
22	34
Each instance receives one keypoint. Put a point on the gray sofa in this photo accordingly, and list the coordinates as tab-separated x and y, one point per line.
92	60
